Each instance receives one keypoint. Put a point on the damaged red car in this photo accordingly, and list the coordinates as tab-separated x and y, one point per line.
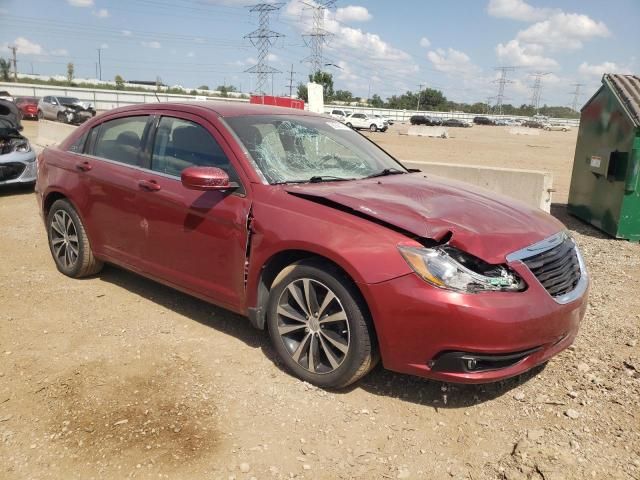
318	236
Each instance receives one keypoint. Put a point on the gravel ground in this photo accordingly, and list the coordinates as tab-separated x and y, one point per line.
116	376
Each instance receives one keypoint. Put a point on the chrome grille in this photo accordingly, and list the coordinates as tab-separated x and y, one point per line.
557	269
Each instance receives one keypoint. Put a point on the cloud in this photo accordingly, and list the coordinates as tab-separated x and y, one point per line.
424	42
101	13
80	3
451	61
27	47
104	46
563	31
353	13
516	10
272	57
514	53
191	54
151	44
590	70
126	33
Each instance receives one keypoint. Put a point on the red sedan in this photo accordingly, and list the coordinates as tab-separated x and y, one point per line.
318	236
28	106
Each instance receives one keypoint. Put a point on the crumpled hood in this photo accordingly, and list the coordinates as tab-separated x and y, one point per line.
486	225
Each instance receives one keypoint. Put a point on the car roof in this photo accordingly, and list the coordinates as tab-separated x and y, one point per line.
219	108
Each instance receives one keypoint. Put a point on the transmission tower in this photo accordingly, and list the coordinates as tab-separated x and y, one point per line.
317	37
536	89
502	81
263	38
576	96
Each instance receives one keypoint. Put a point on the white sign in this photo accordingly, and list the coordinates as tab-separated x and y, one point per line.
316	97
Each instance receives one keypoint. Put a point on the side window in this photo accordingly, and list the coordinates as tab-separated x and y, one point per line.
46	99
180	144
78	145
121	140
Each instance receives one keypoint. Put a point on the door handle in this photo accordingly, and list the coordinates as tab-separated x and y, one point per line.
83	166
149	185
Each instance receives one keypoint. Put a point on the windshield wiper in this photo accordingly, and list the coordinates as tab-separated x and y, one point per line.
315	179
385	172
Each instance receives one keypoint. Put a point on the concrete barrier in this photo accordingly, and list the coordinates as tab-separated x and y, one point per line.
425	131
529	186
52	133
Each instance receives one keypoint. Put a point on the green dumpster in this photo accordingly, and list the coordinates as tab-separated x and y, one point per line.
605	186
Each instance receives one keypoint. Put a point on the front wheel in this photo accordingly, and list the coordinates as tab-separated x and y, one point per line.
373	128
319	326
69	243
62	118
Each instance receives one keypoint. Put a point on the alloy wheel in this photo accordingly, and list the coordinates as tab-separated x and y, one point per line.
313	326
64	239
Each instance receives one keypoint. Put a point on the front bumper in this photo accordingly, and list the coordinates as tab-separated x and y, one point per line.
424	331
18	167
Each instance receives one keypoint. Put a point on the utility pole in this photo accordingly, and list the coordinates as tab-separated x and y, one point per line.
419	95
262	38
576	96
537	87
99	65
317	37
291	82
502	81
13	49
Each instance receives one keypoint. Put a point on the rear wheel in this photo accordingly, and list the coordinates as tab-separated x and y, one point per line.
40	115
373	128
319	326
69	243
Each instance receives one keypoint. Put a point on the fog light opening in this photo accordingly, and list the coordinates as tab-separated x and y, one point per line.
471	364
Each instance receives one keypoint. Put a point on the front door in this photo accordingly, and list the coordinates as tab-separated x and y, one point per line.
196	240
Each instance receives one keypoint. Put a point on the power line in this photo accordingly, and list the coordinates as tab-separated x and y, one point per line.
317	37
502	81
262	39
576	96
537	87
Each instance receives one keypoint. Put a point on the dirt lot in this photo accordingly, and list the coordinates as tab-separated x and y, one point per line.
117	377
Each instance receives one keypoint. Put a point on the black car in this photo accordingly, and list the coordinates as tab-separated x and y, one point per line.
424	120
532	124
483	121
454	122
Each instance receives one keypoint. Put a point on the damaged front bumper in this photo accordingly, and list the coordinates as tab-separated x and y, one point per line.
18	167
470	338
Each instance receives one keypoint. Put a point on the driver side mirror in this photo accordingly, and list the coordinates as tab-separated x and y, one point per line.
206	178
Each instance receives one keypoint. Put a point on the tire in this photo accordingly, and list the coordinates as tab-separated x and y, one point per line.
61	117
373	128
349	125
564	129
73	258
40	115
343	350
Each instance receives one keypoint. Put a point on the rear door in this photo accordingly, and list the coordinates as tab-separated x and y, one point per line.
195	240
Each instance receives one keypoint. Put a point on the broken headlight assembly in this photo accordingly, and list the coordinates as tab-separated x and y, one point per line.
452	269
21	146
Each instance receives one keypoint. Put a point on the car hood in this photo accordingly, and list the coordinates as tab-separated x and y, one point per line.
477	221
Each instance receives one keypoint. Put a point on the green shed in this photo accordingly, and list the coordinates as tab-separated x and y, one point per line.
605	189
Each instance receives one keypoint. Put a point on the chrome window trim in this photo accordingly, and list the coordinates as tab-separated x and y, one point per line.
547	244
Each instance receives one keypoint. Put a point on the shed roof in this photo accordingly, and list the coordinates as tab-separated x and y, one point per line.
627	87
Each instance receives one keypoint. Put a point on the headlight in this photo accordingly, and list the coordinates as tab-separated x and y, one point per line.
452	269
21	146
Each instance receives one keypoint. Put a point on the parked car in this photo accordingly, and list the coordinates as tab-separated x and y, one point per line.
556	127
384	119
65	109
532	124
484	121
4	95
317	235
339	114
28	106
424	120
359	121
17	159
457	122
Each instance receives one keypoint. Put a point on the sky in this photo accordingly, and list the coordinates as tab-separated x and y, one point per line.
375	46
